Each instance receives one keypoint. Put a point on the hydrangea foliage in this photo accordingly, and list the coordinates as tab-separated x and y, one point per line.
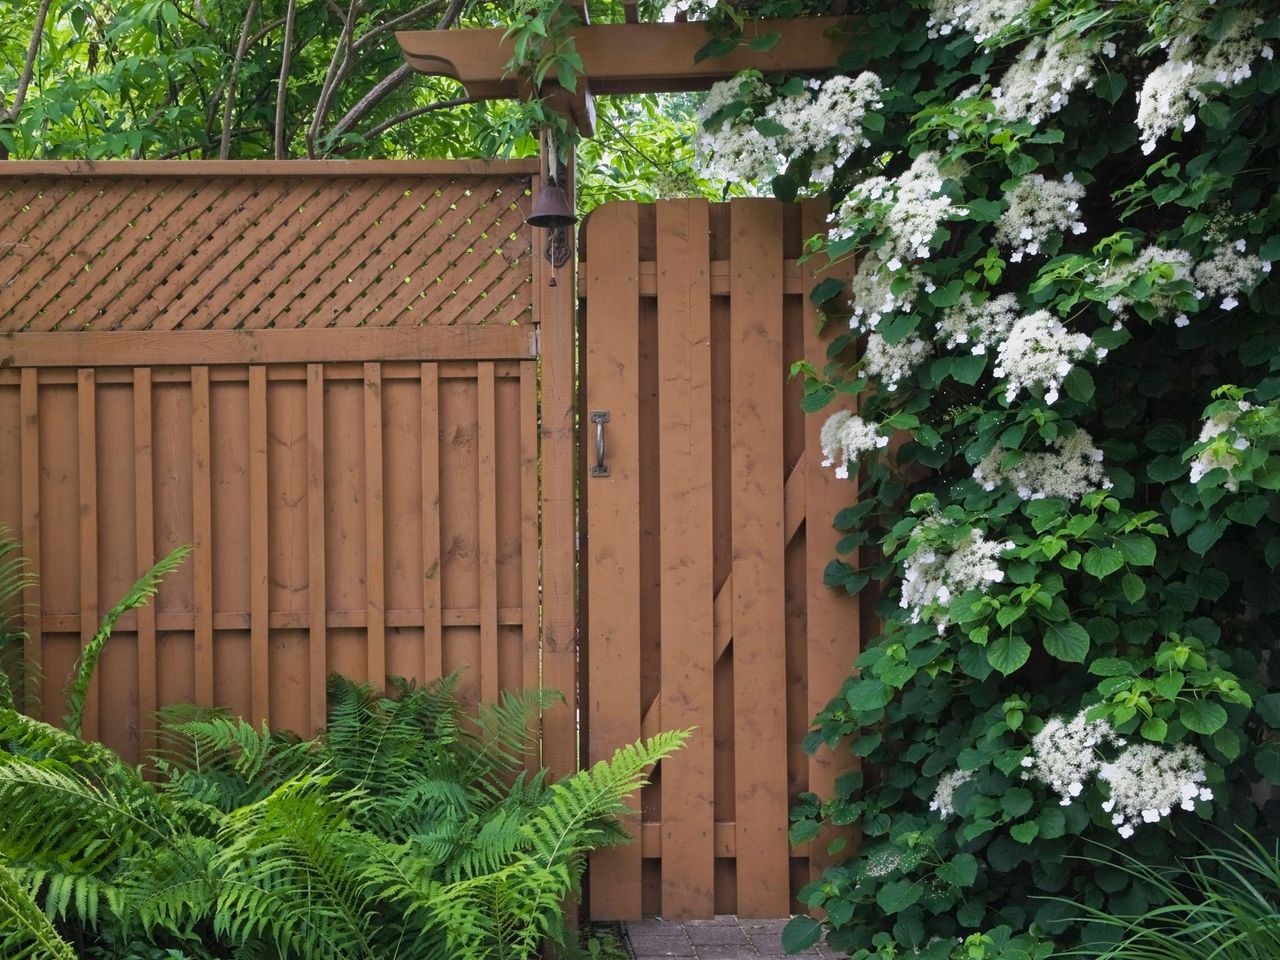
1058	221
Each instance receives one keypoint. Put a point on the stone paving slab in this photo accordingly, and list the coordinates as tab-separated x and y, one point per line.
722	938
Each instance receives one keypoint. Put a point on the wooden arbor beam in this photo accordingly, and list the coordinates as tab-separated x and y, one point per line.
625	57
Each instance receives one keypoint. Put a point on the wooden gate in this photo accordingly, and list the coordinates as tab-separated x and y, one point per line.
705	544
322	375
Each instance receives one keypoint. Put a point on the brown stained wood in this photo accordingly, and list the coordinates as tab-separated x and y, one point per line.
61	212
29	450
87	424
529	620
84	169
486	442
238	347
796	278
144	512
759	608
317	655
614	533
202	529
831	616
432	647
687	585
625	58
375	575
259	557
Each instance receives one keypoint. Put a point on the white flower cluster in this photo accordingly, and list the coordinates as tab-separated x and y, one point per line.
980	323
1220	455
932	577
1038	209
1064	754
736	152
908	210
943	801
1180	263
1041	80
872	298
891	363
1072	469
1039	350
1172	91
845	437
828	123
1147	781
981	18
1227	273
826	118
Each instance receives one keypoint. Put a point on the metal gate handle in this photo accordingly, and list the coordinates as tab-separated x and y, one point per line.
599	418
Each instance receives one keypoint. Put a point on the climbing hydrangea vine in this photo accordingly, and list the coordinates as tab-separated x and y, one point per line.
1055	222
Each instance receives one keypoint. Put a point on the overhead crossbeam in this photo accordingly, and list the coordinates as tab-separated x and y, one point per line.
625	58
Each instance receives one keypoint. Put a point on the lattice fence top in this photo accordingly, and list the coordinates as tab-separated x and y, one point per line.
278	249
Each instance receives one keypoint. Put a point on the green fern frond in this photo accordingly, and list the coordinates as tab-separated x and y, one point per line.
15	578
25	932
142	590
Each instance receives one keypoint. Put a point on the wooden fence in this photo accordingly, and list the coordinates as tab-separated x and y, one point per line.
323	376
705	546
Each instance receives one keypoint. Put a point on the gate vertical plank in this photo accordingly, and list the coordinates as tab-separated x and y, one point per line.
686	551
432	642
529	532
831	616
614	528
555	309
487	486
29	410
375	571
202	531
87	414
317	655
759	604
144	508
259	558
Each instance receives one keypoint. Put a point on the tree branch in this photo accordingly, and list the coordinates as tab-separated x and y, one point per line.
28	69
333	76
224	150
381	90
282	89
382	28
387	124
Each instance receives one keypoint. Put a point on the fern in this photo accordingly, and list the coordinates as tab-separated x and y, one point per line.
25	932
142	590
15	578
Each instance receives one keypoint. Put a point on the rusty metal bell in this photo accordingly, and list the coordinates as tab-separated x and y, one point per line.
551	209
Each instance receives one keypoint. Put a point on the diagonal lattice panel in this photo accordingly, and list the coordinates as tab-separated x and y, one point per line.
263	251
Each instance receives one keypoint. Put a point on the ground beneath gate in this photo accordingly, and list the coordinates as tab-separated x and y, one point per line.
724	938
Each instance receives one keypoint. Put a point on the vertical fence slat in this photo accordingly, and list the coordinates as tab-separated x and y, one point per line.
831	616
144	507
612	268
259	557
432	638
29	411
375	571
317	655
487	464
529	533
202	532
686	548
759	604
87	415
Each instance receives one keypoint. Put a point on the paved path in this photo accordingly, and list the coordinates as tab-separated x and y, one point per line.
724	938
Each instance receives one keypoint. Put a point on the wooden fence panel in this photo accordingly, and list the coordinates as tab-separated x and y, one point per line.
750	643
324	377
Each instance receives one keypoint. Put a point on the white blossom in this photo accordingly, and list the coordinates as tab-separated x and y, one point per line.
1072	469
1147	781
871	293
1041	80
1228	273
736	152
1173	91
1064	753
907	210
1178	262
1220	455
1039	350
891	363
845	437
933	576
983	19
981	324
943	802
1038	209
